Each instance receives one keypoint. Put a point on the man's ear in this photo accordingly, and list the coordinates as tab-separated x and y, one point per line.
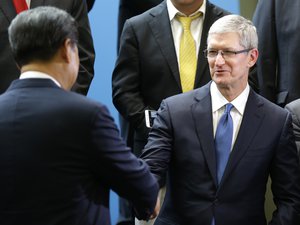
253	57
65	50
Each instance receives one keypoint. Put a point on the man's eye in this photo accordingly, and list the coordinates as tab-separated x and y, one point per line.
212	52
228	53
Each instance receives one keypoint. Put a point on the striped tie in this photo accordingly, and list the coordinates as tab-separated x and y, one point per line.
187	54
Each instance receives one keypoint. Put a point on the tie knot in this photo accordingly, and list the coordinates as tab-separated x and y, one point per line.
228	106
187	20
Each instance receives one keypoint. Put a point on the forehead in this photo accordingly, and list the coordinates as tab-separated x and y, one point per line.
224	40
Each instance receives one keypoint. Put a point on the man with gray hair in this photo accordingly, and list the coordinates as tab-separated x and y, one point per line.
219	143
60	153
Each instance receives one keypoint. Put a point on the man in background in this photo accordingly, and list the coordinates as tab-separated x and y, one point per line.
60	153
220	143
77	8
278	25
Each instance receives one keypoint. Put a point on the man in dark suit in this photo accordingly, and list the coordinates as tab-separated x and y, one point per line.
60	153
278	25
147	68
77	8
218	160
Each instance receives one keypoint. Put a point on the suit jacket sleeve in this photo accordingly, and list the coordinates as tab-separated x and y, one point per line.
294	108
85	47
90	4
124	173
157	152
285	175
264	20
126	86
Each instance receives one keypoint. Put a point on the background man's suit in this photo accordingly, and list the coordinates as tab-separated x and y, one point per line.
278	25
182	141
90	4
77	8
147	70
294	108
60	153
128	9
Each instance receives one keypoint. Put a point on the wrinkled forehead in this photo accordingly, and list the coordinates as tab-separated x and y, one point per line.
228	40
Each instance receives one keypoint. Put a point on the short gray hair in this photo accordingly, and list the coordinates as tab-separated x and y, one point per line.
236	24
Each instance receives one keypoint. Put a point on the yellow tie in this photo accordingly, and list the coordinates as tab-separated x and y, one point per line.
187	54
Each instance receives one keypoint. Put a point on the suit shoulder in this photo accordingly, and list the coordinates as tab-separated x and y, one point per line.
81	102
216	10
271	107
182	99
145	16
294	106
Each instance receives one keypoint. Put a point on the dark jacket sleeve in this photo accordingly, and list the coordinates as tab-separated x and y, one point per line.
125	174
264	20
285	175
126	80
157	152
294	109
85	47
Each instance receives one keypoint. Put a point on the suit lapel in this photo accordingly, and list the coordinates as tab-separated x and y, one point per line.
202	116
252	119
161	29
8	10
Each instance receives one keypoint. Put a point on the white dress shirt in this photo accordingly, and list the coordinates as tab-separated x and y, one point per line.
28	3
218	106
37	74
177	29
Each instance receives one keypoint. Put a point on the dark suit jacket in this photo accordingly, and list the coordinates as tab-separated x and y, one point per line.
182	141
294	108
77	8
60	153
147	70
278	66
128	9
90	4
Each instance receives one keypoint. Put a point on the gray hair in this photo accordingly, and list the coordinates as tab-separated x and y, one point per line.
236	24
38	33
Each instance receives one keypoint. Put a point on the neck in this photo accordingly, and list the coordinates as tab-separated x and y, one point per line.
44	68
187	8
231	93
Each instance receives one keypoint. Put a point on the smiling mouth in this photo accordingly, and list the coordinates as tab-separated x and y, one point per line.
220	71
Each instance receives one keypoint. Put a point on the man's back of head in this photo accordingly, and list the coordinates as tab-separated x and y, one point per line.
45	39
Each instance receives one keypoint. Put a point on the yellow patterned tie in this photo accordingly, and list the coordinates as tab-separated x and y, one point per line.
187	54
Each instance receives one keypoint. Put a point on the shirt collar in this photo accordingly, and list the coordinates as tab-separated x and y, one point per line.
218	100
37	74
173	11
28	3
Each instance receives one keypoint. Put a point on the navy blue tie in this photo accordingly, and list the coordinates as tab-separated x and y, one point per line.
223	140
